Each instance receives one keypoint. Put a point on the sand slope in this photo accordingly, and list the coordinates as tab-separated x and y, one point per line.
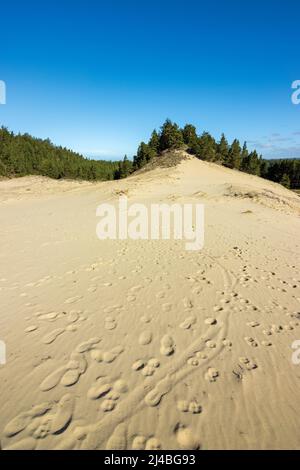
123	344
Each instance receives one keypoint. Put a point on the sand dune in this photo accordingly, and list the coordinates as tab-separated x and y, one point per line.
143	345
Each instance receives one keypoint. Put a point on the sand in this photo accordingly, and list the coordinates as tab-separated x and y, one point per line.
142	344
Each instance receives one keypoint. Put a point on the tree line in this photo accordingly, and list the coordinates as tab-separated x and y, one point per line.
205	147
22	154
284	171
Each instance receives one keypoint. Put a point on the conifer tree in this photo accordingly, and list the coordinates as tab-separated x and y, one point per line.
144	154
206	147
171	136
189	135
234	155
222	149
154	141
285	181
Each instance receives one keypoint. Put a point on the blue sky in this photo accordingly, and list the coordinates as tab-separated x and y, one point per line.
98	76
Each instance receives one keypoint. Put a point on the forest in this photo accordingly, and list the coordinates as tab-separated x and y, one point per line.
22	154
205	147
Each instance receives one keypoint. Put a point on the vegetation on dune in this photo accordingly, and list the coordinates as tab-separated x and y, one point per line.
205	147
23	154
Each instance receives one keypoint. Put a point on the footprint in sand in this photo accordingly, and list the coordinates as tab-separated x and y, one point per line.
154	397
97	355
51	337
246	363
187	439
92	289
73	316
251	341
112	355
73	300
51	317
71	328
31	328
276	328
145	338
139	443
106	356
189	407
138	365
212	375
99	390
136	288
40	428
253	324
53	379
70	378
187	303
110	323
150	367
146	319
20	422
188	323
120	386
211	344
63	415
210	321
41	421
153	444
266	343
201	355
167	346
108	405
267	332
66	375
183	406
88	345
192	361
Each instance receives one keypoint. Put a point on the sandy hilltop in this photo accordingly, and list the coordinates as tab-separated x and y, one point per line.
123	344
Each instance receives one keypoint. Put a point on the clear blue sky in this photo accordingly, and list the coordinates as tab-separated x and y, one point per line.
98	76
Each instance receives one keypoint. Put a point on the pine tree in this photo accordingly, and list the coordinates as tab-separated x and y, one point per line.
206	147
171	136
251	163
154	141
189	135
222	149
124	169
285	181
244	154
144	154
234	155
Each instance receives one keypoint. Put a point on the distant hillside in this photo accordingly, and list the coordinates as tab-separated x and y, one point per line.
22	155
283	170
